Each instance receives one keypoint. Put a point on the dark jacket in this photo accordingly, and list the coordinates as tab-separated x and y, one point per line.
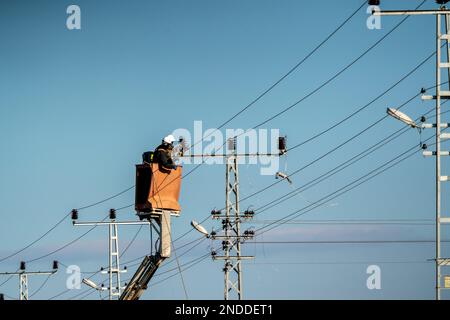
163	157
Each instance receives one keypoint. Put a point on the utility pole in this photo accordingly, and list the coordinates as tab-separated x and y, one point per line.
441	35
114	269
231	225
232	237
23	277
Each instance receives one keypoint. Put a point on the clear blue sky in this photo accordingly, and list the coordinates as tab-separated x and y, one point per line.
77	109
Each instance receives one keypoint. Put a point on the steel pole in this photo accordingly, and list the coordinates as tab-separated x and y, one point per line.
237	220
438	157
110	262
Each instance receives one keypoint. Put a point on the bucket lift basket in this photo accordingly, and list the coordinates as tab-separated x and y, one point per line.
157	190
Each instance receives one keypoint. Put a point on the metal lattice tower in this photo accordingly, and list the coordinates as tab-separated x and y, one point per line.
442	41
441	36
23	286
232	237
23	277
114	261
232	229
231	226
160	222
114	270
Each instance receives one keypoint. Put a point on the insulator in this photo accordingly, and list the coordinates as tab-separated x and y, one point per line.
112	214
181	142
249	233
22	265
423	90
423	119
282	144
424	146
216	213
374	2
55	265
249	213
232	142
74	214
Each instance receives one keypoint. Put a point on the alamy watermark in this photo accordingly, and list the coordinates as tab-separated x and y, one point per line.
374	280
373	22
73	281
213	142
73	21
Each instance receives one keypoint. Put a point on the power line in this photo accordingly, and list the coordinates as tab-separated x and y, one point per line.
326	154
340	122
338	73
131	242
334	77
327	82
343	165
61	221
410	99
341	72
42	286
344	241
107	199
335	170
287	73
9	278
230	119
337	262
404	158
206	218
65	245
367	104
398	159
320	87
194	169
34	241
349	222
198	241
202	238
178	267
201	259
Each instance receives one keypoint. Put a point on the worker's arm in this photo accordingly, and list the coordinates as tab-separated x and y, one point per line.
166	161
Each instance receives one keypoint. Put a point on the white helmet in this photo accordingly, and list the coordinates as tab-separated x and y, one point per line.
169	139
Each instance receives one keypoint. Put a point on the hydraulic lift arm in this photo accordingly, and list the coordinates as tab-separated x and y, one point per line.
151	263
141	278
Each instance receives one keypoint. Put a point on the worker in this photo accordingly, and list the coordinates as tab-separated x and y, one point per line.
163	152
